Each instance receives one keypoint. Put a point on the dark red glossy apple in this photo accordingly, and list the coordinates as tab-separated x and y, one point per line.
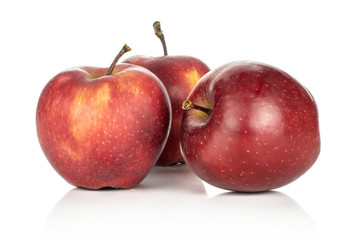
101	127
249	127
179	75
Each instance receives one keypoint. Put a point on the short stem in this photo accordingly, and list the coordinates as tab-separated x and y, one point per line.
159	34
124	49
187	105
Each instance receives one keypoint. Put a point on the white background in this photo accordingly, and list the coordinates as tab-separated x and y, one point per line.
317	42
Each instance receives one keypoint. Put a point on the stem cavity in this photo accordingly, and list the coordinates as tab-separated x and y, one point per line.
159	34
124	49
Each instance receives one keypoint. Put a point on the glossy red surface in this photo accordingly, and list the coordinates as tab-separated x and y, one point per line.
179	75
263	131
103	131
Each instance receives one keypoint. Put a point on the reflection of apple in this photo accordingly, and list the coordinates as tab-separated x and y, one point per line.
179	75
249	127
147	205
157	204
273	212
102	127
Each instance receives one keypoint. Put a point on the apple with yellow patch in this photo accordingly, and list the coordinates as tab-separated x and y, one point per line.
179	74
103	127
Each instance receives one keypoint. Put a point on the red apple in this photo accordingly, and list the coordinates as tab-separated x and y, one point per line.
179	75
102	127
249	127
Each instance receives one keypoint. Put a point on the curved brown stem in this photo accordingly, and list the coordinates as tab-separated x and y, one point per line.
124	49
159	34
187	105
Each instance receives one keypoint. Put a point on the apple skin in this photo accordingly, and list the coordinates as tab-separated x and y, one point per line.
103	131
262	133
179	74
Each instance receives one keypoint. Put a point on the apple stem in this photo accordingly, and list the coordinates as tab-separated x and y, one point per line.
159	34
187	105
124	49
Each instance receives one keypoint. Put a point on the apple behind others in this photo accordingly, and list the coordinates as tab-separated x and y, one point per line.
249	127
104	127
179	74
